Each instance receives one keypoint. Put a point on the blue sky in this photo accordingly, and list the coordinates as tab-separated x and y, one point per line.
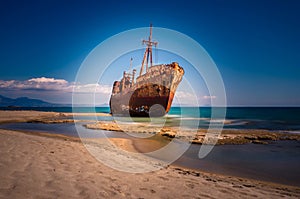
255	44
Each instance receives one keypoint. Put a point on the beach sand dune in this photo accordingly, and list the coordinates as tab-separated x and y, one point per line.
34	166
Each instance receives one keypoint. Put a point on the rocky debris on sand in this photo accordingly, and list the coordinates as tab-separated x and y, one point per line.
168	132
123	127
200	136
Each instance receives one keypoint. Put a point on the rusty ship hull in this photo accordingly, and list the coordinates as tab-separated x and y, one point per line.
151	95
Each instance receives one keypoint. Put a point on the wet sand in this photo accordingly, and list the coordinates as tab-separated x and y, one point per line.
56	166
41	117
25	116
48	167
228	136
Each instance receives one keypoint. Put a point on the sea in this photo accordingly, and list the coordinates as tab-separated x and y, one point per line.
269	118
278	161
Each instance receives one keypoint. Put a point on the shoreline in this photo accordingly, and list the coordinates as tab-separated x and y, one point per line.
198	136
228	136
212	181
232	183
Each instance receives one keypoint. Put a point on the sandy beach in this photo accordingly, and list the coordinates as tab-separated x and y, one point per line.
40	165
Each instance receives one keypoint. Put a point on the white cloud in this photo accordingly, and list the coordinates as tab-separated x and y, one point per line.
6	84
183	94
48	80
209	97
44	83
35	83
53	90
92	88
185	98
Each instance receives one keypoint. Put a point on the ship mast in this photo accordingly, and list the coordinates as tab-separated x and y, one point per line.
130	64
148	52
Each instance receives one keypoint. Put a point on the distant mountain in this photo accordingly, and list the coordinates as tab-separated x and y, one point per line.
24	102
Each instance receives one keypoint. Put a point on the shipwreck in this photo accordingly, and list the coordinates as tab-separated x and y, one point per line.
151	93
